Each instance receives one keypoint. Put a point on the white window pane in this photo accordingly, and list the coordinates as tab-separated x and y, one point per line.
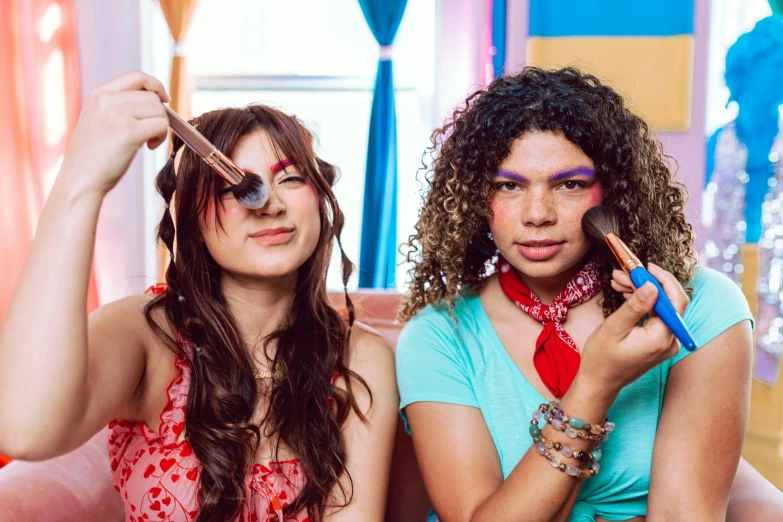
318	60
306	38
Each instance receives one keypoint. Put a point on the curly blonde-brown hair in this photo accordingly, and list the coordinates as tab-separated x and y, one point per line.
452	246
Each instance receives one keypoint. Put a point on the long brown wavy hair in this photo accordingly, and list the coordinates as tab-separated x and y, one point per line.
312	346
452	243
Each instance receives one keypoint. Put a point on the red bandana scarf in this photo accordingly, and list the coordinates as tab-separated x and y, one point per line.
556	358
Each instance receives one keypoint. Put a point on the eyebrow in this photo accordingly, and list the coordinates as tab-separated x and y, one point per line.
510	174
281	165
578	171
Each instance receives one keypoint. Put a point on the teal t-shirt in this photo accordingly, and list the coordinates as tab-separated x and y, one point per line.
468	365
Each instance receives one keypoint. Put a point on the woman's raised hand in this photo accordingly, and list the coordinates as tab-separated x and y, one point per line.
117	119
622	349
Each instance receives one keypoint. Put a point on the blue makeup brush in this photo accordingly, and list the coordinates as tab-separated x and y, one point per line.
600	223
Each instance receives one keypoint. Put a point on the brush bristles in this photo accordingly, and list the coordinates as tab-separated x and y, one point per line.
251	192
598	222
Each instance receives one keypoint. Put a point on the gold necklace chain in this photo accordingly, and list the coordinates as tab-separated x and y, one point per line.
266	374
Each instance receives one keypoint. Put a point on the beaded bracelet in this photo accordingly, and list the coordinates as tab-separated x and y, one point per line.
592	456
558	419
571	471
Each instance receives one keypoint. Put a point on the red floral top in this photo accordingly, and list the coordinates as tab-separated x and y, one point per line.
157	475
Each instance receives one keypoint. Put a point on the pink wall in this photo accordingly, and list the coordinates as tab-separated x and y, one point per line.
688	148
459	58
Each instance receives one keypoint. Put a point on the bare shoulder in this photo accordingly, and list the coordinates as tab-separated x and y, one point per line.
126	309
121	339
124	316
369	349
372	358
126	319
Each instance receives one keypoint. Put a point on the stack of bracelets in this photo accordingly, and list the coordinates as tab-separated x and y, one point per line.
573	428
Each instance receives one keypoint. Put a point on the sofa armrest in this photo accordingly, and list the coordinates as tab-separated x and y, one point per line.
75	486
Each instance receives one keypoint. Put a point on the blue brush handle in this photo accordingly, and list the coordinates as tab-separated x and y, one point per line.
663	307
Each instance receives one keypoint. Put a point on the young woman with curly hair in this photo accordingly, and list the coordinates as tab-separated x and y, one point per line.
237	391
511	306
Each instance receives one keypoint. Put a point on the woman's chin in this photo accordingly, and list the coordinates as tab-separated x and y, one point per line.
264	273
545	269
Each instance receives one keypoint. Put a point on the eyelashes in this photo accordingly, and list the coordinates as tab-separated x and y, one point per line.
579	184
290	179
568	186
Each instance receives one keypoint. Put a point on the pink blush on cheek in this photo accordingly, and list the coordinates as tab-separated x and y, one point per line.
303	198
313	192
503	215
229	212
226	210
596	194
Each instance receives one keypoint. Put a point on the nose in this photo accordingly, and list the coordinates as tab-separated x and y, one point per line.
274	205
539	209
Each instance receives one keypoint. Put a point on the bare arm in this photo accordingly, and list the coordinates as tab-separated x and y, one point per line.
369	445
753	497
56	386
702	427
462	472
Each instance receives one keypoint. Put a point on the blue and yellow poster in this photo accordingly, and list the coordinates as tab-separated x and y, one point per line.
641	48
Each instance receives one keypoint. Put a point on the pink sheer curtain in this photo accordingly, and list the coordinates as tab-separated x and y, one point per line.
39	106
487	73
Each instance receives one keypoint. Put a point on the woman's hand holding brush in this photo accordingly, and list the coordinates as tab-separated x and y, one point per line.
116	120
620	350
124	114
622	283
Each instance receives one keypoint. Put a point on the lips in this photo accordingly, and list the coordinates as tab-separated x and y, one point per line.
541	243
540	250
273	236
272	231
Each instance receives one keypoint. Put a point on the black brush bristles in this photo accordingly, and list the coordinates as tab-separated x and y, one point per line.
598	222
251	192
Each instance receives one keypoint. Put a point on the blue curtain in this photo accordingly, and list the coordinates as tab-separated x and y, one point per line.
499	37
379	217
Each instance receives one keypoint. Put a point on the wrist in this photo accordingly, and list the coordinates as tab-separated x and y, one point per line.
589	398
71	191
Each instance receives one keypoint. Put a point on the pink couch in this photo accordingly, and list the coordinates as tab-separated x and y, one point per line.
78	487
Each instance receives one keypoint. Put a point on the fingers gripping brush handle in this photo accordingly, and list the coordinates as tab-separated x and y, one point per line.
602	225
664	308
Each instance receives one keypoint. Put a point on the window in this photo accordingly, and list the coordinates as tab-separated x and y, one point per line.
318	60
